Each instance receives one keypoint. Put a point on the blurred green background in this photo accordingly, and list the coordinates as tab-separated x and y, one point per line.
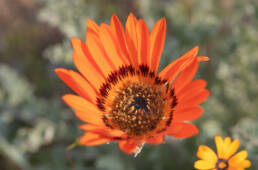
36	126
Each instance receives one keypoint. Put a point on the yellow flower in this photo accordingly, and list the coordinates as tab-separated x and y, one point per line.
225	159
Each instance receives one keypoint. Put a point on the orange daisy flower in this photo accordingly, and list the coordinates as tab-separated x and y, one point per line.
121	97
226	159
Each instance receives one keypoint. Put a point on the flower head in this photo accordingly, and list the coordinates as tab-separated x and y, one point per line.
225	159
120	95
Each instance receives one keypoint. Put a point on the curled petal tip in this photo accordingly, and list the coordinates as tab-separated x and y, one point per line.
74	39
196	48
114	18
203	58
163	20
131	15
114	15
57	70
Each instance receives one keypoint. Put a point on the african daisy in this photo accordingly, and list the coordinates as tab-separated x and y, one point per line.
120	95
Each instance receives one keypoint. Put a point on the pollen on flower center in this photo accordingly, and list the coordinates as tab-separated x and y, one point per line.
137	109
139	102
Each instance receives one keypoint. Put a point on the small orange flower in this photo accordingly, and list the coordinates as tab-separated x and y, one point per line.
226	159
121	96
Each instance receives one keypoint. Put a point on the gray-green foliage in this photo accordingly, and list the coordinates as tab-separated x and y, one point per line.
35	130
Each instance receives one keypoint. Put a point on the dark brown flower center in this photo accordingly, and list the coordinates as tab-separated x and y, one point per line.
136	101
139	102
137	109
222	164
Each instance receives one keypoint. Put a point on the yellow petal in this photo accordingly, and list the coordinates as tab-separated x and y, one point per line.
201	164
241	165
206	153
245	164
234	168
237	158
227	142
226	145
219	145
231	149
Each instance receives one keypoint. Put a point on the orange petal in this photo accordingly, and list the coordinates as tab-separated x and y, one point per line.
190	94
143	43
174	66
173	69
92	30
87	111
85	63
120	36
188	114
182	130
157	40
113	134
131	37
186	76
90	127
128	146
79	104
90	117
93	139
99	55
111	46
92	27
196	99
156	140
77	83
191	87
203	58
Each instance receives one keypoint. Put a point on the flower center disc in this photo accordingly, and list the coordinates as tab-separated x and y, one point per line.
137	109
136	101
222	164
